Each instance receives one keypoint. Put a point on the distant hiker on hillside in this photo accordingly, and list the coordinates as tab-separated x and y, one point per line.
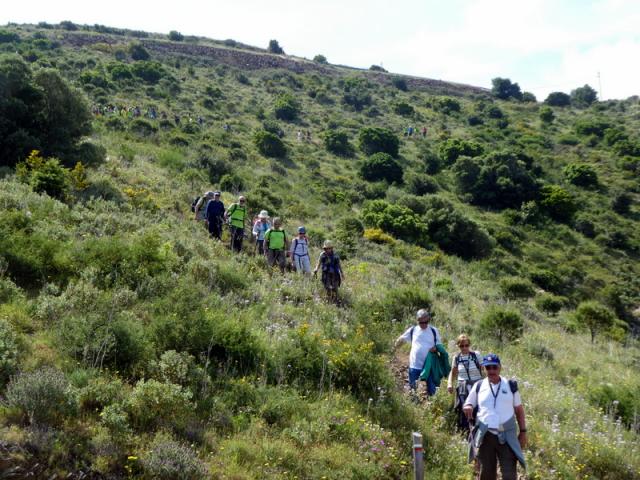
424	132
275	244
236	215
215	216
300	252
494	435
465	372
299	135
332	275
260	227
199	207
423	339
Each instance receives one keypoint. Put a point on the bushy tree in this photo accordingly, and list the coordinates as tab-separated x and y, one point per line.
337	142
446	105
403	108
9	37
546	115
356	93
175	36
594	316
502	324
274	47
592	126
454	148
149	71
557	203
529	97
397	220
320	59
286	107
374	139
583	96
119	71
138	52
44	175
621	203
269	144
381	166
420	183
504	89
400	83
498	179
581	174
558	99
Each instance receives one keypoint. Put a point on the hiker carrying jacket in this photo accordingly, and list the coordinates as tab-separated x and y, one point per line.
236	216
275	244
260	227
300	252
495	438
465	372
332	275
423	339
200	208
215	216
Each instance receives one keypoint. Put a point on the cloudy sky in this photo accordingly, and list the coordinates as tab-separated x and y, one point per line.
544	45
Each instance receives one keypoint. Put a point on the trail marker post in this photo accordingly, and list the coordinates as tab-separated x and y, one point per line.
418	456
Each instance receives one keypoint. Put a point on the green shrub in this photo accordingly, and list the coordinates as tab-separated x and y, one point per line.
420	183
557	203
594	316
8	351
400	83
454	148
95	78
320	59
502	324
236	346
356	93
548	280
515	287
546	115
615	135
175	36
404	109
381	166
138	52
395	219
170	460
337	142
286	107
215	167
621	203
269	144
274	47
9	37
558	99
349	227
549	303
9	291
180	368
153	405
231	182
627	147
42	395
592	126
529	97
373	140
44	175
148	70
619	400
101	392
142	127
503	88
583	96
446	105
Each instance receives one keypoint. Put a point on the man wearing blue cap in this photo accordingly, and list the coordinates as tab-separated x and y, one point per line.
494	435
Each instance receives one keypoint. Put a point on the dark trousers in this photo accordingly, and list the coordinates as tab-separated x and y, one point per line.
215	228
237	235
490	453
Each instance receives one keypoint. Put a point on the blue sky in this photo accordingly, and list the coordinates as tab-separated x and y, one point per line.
544	45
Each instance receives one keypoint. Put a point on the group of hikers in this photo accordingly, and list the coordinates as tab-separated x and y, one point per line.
136	112
489	407
269	239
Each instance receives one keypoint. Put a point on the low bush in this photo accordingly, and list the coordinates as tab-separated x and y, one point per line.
557	203
153	405
619	400
592	126
581	174
501	324
446	105
376	235
558	99
269	144
101	392
44	175
337	142
548	280
420	183
356	93
549	303
395	219
404	109
170	460
9	350
373	140
381	166
515	287
621	203
286	107
454	148
149	71
138	52
142	127
43	396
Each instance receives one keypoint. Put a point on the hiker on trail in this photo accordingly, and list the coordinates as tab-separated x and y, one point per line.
236	216
332	275
215	216
200	207
300	252
495	439
423	339
424	132
260	227
275	244
465	372
299	135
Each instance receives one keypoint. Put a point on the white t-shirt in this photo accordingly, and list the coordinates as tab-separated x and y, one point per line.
421	343
495	402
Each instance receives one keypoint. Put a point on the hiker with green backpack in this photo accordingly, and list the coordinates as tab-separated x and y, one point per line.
495	408
236	215
275	244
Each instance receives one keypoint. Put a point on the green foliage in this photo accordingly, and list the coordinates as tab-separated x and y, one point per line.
529	97
454	148
420	183
548	280
175	36
515	287
501	324
557	203
498	179
269	144
546	115
400	83
584	96
148	70
154	405
592	126
374	139
274	47
549	303
43	396
9	350
356	93
395	219
320	59
381	166
558	99
337	142
168	460
627	147
446	105
9	37
119	71
286	107
581	174
44	175
618	399
504	89
404	109
138	52
100	392
622	202
594	316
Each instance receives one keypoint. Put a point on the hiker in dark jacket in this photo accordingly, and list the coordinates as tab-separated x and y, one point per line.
215	216
332	275
494	435
423	339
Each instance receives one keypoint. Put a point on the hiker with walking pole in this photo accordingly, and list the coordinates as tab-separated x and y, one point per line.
236	216
465	372
423	339
494	438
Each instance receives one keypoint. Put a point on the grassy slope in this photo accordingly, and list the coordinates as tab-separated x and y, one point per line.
259	417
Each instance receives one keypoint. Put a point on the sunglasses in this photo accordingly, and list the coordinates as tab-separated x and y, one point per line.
491	367
423	323
462	345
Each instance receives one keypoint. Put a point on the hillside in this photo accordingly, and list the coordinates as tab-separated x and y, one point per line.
132	344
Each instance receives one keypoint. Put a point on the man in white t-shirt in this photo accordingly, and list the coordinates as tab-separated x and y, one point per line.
423	339
499	406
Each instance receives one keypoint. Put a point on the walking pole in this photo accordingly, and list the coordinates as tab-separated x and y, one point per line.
418	456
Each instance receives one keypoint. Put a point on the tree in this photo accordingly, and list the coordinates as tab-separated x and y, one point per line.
454	148
395	219
546	115
337	142
138	52
503	324
374	139
286	107
581	174
320	59
400	83
558	99
404	109
529	97
557	203
381	166
274	47
504	89
149	71
583	96
175	36
269	144
356	93
595	316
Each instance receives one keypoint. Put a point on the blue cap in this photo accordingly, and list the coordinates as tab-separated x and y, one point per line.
302	230
490	359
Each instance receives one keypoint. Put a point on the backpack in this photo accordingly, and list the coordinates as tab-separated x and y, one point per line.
433	330
513	386
474	357
195	203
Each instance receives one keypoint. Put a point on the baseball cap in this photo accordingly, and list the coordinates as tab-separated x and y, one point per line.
490	359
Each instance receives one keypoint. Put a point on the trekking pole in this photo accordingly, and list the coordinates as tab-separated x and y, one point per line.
418	456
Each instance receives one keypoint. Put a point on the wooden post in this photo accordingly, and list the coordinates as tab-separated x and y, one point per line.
418	456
